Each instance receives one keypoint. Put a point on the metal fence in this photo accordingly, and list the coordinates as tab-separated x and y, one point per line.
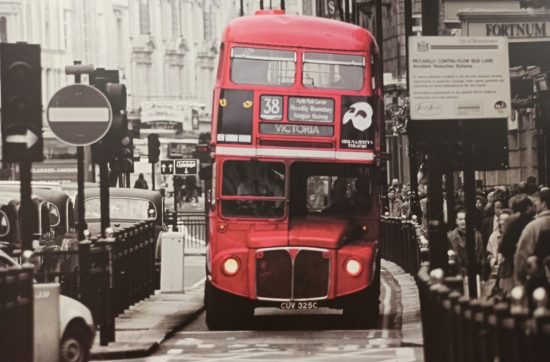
16	314
107	275
194	226
457	328
401	242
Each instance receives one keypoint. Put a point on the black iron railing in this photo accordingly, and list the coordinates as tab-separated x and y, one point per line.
193	225
16	314
458	328
107	275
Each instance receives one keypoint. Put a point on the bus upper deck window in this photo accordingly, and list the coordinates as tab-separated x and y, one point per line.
263	66
333	71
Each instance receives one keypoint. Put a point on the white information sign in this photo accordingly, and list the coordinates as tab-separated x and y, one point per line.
459	77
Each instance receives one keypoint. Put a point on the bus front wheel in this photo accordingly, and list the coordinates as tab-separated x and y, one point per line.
362	310
225	311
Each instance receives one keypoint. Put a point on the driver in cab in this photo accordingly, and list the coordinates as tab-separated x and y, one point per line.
257	183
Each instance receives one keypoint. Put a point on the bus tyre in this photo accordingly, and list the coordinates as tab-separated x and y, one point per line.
362	310
225	311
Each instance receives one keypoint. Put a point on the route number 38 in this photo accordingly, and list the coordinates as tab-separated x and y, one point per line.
272	108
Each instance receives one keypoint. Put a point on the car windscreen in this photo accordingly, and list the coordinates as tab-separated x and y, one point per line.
122	208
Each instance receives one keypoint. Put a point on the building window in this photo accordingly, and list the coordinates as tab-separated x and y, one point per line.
144	20
46	25
207	21
175	5
66	28
3	29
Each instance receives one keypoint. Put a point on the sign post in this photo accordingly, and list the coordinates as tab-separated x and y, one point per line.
79	115
461	87
186	167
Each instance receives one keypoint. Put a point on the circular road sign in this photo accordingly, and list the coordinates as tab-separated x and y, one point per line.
79	114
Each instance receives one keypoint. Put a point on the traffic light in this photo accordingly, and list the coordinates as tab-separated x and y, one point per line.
115	143
153	145
21	90
126	158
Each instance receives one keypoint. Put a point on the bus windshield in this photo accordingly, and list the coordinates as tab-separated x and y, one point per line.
331	189
263	66
333	71
260	180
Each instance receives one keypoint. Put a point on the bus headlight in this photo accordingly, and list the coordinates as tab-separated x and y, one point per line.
230	266
353	267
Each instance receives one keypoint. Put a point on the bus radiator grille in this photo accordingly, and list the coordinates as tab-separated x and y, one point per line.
278	278
274	275
311	275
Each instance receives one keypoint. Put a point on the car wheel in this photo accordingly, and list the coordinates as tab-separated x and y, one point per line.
73	347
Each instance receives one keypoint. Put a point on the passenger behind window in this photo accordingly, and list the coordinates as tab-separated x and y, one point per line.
361	196
340	204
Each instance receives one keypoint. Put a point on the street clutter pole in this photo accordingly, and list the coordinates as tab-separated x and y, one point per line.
469	196
77	69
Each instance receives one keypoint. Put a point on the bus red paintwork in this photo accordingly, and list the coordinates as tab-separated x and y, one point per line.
312	238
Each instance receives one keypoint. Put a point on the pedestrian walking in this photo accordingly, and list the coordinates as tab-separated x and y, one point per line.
141	183
531	235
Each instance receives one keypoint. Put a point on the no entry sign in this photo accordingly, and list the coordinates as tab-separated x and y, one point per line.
79	114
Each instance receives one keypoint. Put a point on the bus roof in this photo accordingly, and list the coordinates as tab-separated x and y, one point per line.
297	31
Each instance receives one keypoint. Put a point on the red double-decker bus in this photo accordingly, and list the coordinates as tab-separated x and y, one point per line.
296	139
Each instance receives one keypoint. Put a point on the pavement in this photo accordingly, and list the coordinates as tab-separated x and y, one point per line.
143	327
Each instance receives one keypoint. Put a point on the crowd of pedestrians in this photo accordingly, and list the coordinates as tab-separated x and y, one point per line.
511	223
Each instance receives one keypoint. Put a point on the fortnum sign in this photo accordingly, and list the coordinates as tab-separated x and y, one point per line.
518	30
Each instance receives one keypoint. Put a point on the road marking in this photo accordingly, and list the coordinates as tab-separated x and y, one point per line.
174	351
188	341
386	303
205	346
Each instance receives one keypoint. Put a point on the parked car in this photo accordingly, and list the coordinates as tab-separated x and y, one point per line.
40	221
77	329
60	208
71	188
46	185
127	207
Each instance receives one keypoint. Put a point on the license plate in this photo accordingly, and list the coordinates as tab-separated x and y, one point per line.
298	305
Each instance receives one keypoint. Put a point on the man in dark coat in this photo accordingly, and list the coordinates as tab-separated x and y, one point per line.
141	183
457	243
